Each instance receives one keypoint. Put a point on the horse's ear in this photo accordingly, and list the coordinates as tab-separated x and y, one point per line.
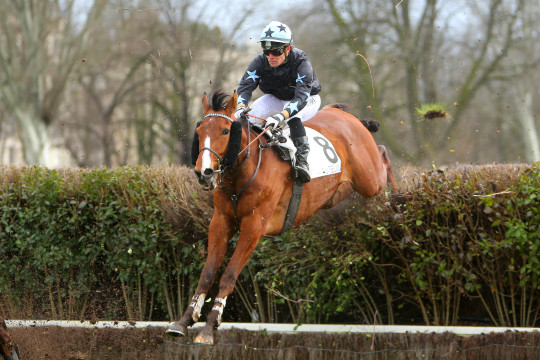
231	105
206	104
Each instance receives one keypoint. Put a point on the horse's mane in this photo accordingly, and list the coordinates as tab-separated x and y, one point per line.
219	100
343	107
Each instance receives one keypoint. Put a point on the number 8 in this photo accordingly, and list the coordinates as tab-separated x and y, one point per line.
329	152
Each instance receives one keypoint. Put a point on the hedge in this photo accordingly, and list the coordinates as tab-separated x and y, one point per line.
457	245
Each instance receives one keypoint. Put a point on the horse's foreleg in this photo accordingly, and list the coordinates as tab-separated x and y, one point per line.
250	233
219	233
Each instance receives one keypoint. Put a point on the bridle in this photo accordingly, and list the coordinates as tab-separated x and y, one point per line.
220	159
222	171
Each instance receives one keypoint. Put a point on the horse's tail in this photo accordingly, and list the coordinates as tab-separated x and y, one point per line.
371	125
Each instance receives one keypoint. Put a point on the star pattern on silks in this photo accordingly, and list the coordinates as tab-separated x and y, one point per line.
299	79
282	28
252	75
240	100
269	32
308	96
293	106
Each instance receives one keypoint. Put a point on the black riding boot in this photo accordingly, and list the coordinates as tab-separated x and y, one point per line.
302	150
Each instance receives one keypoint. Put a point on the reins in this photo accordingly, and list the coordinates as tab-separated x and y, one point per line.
258	136
252	141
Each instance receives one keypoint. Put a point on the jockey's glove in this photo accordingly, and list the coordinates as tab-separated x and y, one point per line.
239	112
275	122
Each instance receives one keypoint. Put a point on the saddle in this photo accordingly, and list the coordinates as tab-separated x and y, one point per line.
280	141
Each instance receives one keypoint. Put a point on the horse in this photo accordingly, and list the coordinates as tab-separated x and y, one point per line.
251	190
8	349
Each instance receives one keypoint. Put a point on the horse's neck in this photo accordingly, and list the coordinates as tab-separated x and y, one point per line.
248	160
252	152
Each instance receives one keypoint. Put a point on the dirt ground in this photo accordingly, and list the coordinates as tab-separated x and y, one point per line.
60	343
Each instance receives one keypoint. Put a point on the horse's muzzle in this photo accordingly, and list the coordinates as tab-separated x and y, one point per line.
207	179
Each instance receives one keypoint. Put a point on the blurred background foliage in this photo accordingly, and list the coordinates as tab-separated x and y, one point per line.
87	83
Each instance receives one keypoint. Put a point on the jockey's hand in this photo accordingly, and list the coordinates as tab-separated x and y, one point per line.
239	112
275	122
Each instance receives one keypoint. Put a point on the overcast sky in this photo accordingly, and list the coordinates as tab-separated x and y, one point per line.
264	12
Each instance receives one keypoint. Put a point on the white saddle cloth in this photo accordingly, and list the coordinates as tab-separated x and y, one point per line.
323	159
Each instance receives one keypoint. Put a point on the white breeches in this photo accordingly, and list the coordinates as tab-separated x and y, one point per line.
268	105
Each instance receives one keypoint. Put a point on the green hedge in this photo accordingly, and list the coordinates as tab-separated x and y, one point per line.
94	242
456	245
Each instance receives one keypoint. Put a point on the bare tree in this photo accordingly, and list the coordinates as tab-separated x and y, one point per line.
196	52
39	46
408	45
146	114
528	60
113	82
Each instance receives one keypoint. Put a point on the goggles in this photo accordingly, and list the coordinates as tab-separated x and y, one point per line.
276	51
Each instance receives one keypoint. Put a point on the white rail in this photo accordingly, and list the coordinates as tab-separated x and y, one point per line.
281	328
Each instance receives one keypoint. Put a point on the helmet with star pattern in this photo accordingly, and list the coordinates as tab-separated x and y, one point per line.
275	34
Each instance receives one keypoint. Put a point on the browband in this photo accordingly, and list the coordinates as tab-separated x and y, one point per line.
220	115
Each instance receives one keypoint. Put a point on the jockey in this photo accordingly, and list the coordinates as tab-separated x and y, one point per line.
285	75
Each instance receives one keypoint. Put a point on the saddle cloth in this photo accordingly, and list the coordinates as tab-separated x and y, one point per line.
323	159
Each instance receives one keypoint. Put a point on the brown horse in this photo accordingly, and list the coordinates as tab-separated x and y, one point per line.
252	189
8	349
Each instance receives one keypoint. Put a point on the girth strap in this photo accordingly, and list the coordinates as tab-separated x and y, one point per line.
294	204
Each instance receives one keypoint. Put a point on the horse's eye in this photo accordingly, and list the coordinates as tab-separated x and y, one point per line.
225	132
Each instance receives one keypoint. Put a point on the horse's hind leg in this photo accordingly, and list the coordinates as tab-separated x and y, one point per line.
342	192
389	172
219	234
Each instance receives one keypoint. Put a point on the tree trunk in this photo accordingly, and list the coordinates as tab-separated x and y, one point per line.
528	127
35	137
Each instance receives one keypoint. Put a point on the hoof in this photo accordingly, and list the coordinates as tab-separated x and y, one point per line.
205	337
177	330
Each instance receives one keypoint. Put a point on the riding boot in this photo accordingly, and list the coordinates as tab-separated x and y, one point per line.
302	150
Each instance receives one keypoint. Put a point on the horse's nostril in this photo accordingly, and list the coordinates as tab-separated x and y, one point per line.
208	172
